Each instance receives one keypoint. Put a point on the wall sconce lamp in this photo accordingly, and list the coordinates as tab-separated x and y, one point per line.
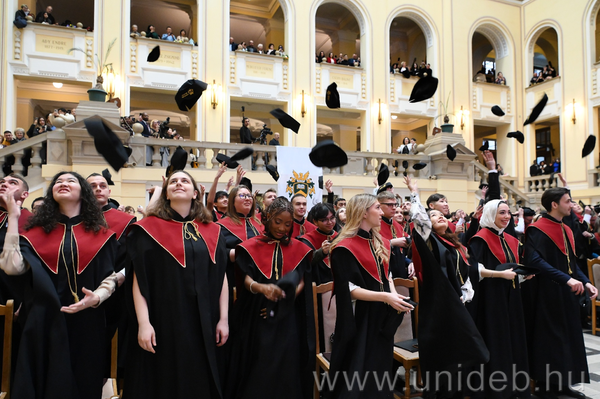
302	106
379	117
574	119
214	97
109	78
463	115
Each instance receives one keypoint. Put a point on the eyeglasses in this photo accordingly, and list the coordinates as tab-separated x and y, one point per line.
390	204
245	196
331	219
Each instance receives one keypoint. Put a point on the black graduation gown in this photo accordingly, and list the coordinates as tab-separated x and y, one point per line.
391	229
321	264
499	318
449	341
273	354
364	337
180	267
61	355
554	336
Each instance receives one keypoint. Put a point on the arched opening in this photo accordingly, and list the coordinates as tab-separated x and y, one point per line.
255	26
408	45
597	36
337	36
483	58
545	55
176	15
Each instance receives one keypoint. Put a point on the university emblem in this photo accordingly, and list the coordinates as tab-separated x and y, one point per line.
300	184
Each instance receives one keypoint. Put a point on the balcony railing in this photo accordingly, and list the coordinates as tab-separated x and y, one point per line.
399	92
177	63
43	50
258	75
485	96
351	84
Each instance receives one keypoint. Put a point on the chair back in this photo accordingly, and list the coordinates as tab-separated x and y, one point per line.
414	284
7	311
318	290
594	271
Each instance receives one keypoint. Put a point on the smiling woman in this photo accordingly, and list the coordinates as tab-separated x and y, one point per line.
69	252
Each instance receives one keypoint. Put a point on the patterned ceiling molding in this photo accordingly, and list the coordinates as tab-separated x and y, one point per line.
350	5
495	35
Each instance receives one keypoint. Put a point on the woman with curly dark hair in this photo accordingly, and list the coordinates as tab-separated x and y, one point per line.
179	296
273	350
68	251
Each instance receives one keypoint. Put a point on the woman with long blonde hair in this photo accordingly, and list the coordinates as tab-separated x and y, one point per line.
364	336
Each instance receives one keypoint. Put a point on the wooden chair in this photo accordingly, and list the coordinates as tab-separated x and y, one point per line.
406	358
7	311
322	358
594	265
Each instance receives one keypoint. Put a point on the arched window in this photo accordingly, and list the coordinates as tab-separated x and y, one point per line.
408	45
545	54
337	35
255	26
484	59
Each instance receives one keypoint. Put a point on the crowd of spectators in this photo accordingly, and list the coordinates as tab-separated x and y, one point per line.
489	76
24	15
341	59
544	168
419	70
547	73
168	35
259	49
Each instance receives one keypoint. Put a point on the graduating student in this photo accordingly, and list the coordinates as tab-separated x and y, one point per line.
550	303
448	338
499	313
319	241
67	251
273	351
179	294
300	226
364	333
393	232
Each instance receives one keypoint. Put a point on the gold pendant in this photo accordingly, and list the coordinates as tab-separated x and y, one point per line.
76	297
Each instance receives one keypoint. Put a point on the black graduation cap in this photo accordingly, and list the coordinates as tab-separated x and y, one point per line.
383	175
273	172
518	268
406	73
246	182
288	284
189	93
496	110
537	110
424	88
224	158
154	54
321	182
485	146
405	166
178	161
419	166
285	119
106	142
106	174
589	146
332	98
328	154
528	211
517	135
113	203
242	154
450	152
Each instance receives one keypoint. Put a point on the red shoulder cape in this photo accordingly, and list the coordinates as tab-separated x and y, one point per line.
169	234
118	221
554	232
386	230
494	243
461	250
23	219
316	239
361	250
262	253
47	246
308	227
239	230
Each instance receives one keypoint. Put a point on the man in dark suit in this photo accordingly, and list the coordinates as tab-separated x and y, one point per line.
251	48
232	45
534	169
245	134
46	18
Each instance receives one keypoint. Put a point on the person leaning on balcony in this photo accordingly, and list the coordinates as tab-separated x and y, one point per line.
183	38
46	16
134	31
37	127
250	48
232	45
259	48
330	59
500	80
152	32
169	36
271	50
21	16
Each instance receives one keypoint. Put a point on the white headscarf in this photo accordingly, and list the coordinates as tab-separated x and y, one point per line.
488	218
